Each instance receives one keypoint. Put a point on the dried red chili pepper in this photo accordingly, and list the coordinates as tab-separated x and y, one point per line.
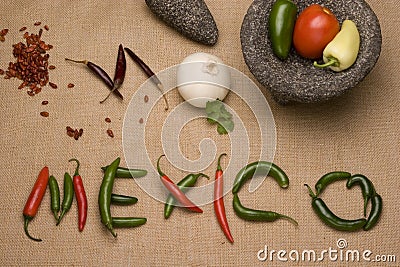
80	197
219	206
102	74
120	70
149	73
34	199
175	191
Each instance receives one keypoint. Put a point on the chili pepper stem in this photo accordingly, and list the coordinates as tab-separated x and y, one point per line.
219	162
310	192
77	61
202	175
161	89
331	62
27	219
112	91
158	166
77	166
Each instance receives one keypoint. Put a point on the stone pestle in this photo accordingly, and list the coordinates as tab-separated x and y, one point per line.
192	18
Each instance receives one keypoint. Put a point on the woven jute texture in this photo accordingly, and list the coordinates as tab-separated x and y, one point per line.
357	132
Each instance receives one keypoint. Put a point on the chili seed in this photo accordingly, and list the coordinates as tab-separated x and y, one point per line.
45	102
1	72
44	114
110	133
53	85
52	67
108	120
37	23
76	134
71	85
146	98
70	131
3	32
141	120
46	27
22	29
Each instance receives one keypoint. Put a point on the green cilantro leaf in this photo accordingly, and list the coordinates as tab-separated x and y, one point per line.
217	114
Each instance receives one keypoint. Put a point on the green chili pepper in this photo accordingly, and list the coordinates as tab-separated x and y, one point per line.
105	195
68	196
54	196
260	168
376	210
119	222
122	200
366	185
184	185
329	178
330	219
128	173
257	215
281	23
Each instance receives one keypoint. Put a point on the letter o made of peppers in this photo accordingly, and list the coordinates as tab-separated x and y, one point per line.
368	192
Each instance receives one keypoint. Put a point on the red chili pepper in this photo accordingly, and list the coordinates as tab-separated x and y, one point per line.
219	206
34	199
175	191
80	197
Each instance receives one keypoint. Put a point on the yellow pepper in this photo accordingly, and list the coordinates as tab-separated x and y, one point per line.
342	51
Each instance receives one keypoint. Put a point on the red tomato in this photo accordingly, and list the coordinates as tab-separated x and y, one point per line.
315	27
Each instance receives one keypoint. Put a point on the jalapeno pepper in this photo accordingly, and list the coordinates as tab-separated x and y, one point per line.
260	168
68	196
257	215
367	188
376	210
54	196
329	178
247	172
281	23
122	172
122	200
330	219
127	222
105	195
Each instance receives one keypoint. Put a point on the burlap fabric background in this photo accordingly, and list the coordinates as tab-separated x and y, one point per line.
357	132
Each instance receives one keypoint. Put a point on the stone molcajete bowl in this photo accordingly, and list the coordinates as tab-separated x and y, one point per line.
296	79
